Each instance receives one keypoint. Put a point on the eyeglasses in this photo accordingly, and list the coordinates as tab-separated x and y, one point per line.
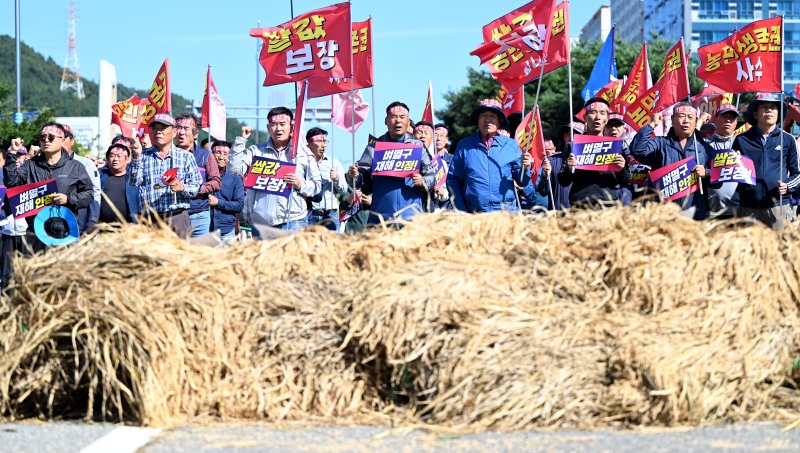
49	137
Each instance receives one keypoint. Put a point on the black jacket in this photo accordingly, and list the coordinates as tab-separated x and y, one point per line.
71	178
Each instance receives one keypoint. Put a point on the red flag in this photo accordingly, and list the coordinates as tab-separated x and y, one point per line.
314	44
671	87
512	74
610	93
530	137
213	114
638	82
362	66
128	115
159	99
349	110
511	102
748	60
299	117
427	114
797	91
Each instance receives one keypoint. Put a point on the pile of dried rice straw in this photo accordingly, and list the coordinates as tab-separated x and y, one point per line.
460	322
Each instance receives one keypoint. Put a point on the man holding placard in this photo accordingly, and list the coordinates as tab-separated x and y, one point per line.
723	199
50	177
672	153
595	168
395	170
278	178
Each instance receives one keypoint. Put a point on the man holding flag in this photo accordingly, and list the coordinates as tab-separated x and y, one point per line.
682	141
287	213
763	144
589	187
486	165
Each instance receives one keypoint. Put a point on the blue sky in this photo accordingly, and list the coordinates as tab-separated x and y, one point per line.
414	40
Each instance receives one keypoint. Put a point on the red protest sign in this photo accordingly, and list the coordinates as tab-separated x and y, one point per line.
363	73
748	60
313	44
671	88
511	102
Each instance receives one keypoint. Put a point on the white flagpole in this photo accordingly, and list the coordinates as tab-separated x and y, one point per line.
780	125
374	131
571	131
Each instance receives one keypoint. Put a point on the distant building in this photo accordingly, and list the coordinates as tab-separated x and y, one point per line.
599	26
703	22
628	15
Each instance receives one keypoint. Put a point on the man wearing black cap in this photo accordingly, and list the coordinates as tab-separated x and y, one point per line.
682	141
591	188
169	198
486	165
120	195
766	143
723	199
393	197
87	217
74	186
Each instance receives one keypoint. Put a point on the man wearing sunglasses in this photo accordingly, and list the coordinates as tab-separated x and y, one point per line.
75	189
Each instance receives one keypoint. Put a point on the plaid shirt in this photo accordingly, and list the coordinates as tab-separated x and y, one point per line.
146	173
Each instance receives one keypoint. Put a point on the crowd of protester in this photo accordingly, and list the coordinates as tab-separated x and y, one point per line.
487	171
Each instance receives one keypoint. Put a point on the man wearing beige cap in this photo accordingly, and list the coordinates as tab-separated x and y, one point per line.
164	194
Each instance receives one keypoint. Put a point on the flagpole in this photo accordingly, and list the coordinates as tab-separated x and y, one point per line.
780	125
571	131
352	128
259	42
522	92
291	12
372	90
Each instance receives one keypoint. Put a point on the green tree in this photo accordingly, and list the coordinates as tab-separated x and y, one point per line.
554	95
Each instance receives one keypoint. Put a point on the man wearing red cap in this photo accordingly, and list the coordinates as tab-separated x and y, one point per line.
486	165
723	199
766	143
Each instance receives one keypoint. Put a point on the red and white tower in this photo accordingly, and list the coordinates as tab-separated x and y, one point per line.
71	76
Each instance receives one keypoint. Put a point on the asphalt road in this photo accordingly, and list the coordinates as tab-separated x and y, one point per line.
81	437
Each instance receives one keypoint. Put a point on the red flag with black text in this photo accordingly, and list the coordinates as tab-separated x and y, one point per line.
314	44
671	87
748	60
638	81
363	73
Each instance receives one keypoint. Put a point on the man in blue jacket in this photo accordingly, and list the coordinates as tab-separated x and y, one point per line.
393	197
486	165
766	143
123	196
227	202
682	141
